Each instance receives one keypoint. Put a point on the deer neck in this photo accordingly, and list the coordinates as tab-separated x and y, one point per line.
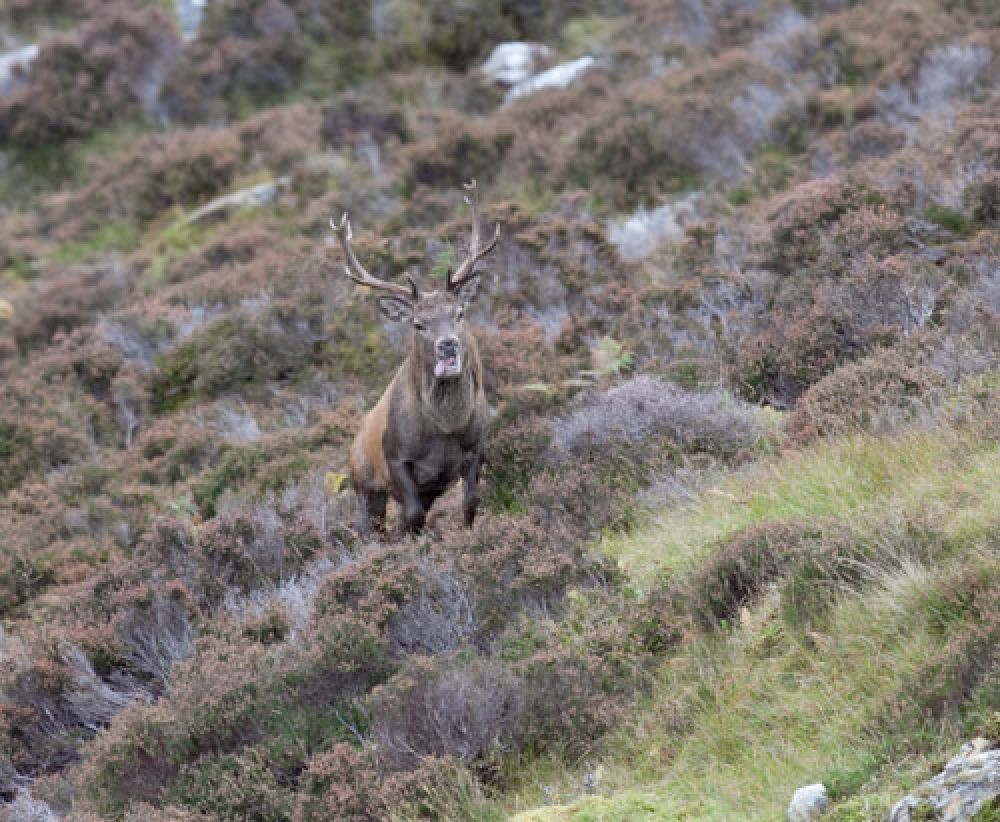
447	404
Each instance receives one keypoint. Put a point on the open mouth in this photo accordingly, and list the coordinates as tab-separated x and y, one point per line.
448	366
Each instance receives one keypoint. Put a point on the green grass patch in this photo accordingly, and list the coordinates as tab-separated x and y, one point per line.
743	714
950	220
36	170
833	481
121	236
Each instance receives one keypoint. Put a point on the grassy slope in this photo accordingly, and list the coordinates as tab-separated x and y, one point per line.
739	720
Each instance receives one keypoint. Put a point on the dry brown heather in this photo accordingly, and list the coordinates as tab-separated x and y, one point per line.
190	626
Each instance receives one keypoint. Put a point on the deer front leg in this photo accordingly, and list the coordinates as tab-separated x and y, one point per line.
470	479
414	513
371	513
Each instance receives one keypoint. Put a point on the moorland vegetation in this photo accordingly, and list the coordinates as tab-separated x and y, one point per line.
739	522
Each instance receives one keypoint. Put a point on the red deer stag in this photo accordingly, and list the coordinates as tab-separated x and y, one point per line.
429	427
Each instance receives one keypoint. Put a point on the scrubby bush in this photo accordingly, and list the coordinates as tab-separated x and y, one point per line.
228	353
249	52
740	571
24	12
67	300
107	70
243	552
798	349
351	117
34	440
344	783
251	48
281	139
184	170
962	611
468	713
461	32
459	150
800	217
645	407
652	143
232	786
876	393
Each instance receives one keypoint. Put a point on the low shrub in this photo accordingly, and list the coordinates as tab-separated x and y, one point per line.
104	71
350	118
34	441
645	407
460	150
650	141
874	394
344	783
800	217
250	52
246	551
231	352
798	349
185	169
234	787
467	712
959	678
67	300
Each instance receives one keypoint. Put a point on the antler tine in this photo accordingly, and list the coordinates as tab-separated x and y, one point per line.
468	267
357	272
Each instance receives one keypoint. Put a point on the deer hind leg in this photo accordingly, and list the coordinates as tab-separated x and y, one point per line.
371	515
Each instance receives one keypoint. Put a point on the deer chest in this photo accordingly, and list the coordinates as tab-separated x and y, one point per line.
440	463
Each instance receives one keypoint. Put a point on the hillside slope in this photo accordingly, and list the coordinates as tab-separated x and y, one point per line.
740	337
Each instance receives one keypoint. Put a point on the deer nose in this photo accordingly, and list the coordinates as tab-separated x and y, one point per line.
447	346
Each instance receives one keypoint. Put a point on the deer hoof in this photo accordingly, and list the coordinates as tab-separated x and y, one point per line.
414	518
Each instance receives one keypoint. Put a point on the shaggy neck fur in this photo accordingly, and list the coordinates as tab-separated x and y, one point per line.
448	404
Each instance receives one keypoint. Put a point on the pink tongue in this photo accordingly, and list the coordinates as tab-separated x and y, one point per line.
443	365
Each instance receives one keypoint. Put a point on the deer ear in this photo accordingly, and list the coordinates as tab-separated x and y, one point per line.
395	309
468	290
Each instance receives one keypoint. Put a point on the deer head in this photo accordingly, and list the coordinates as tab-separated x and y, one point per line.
440	341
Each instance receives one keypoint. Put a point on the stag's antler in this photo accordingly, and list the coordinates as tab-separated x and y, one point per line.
357	272
476	252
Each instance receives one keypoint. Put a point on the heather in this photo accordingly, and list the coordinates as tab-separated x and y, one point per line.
738	529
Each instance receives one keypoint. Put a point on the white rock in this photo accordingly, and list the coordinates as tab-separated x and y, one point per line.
253	197
513	63
22	57
556	77
969	781
189	16
27	809
808	803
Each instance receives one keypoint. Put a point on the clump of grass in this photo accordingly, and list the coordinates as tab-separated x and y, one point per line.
950	220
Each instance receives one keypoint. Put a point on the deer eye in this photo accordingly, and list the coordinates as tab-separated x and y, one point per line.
419	325
461	314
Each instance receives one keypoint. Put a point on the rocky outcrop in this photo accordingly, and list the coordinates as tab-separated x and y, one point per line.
967	784
513	63
556	77
256	196
189	15
13	62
